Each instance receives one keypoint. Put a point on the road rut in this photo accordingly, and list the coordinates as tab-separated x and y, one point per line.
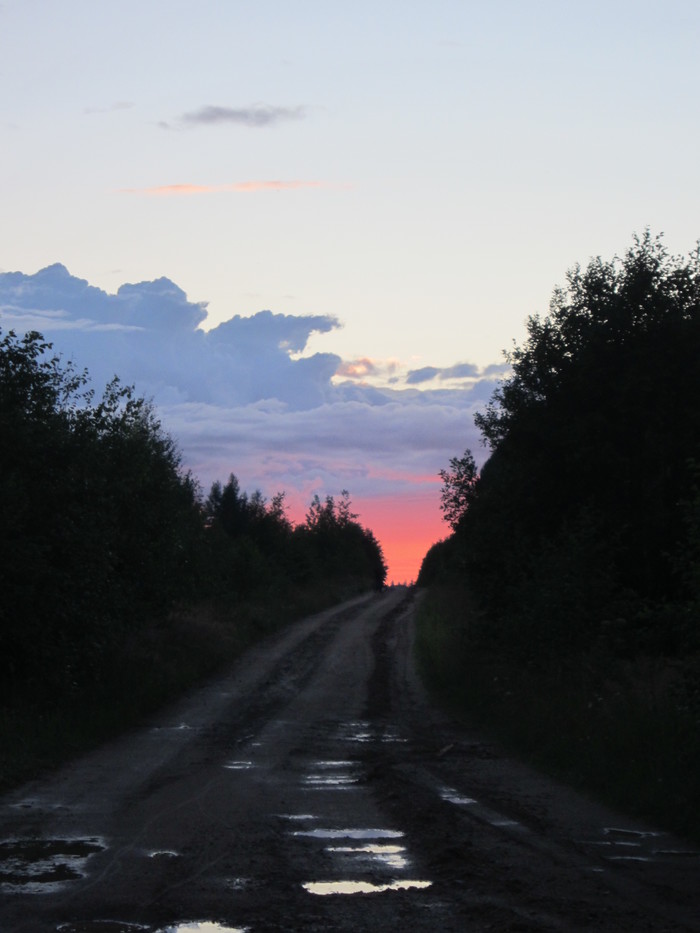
314	787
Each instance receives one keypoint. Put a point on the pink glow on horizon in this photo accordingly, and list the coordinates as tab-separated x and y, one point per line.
405	526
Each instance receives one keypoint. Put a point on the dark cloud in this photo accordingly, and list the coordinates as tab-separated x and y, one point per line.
458	371
258	115
424	374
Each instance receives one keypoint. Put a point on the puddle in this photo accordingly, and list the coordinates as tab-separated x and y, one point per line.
239	765
349	833
356	731
236	884
297	816
389	735
101	926
163	853
180	727
29	803
615	842
452	796
635	833
34	866
201	926
503	823
323	765
676	853
388	856
330	781
360	887
361	731
628	858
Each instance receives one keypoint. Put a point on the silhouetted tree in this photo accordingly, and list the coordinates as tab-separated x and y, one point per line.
582	507
99	523
458	488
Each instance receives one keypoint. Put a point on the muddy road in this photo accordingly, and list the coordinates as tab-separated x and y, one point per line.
314	788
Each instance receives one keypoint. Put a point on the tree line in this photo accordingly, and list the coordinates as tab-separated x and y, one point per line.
582	530
102	528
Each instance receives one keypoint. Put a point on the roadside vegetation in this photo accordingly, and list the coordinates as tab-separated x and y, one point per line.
120	584
564	607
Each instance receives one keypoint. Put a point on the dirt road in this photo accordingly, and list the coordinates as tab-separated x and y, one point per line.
314	788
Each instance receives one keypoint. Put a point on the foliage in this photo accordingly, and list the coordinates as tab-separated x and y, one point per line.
458	488
580	541
625	732
99	522
585	503
330	542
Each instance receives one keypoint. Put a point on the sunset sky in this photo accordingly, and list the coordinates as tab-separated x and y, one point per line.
400	184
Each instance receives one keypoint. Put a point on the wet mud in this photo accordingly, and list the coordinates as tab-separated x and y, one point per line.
314	787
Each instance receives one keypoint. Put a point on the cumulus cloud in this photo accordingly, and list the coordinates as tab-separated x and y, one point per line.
240	187
247	397
256	116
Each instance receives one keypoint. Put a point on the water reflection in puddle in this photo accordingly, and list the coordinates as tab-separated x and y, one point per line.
332	781
453	796
636	833
239	765
386	855
361	731
30	803
606	842
34	866
297	816
101	926
356	732
236	884
349	833
628	858
180	727
164	853
201	926
677	853
360	887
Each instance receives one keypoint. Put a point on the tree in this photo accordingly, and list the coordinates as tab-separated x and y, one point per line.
459	485
99	523
580	506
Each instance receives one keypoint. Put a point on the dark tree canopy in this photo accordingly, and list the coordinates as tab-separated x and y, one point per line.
458	488
594	438
98	520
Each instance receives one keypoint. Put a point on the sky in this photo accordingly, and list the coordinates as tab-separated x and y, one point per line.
308	230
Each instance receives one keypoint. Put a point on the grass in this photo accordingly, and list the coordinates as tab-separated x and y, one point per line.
620	731
167	657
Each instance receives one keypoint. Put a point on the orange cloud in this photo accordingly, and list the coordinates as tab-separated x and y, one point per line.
356	369
242	187
364	368
275	185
